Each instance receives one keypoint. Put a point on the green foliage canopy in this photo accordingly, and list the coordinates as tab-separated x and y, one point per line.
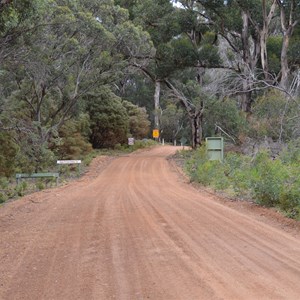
109	119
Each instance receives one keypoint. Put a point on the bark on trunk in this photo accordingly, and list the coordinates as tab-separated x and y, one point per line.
197	129
284	62
287	26
247	60
156	104
250	59
264	34
246	97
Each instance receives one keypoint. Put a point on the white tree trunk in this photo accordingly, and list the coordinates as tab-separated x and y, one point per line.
156	104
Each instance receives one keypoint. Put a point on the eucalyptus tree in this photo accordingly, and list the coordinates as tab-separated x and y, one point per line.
181	42
72	48
109	118
158	18
16	17
139	124
173	123
249	27
245	26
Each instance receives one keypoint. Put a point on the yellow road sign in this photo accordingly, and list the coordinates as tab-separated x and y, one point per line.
155	133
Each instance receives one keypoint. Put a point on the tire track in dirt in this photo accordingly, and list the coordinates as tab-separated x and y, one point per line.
132	229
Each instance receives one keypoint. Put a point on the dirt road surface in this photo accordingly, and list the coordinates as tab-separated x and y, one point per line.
133	229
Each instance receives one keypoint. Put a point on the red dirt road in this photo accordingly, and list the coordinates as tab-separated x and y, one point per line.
134	230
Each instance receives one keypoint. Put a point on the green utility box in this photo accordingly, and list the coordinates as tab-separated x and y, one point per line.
215	148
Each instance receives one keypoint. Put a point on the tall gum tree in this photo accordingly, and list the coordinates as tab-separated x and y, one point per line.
158	18
178	37
245	25
71	49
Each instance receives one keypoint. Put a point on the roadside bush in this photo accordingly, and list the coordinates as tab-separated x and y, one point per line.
269	120
213	173
290	201
88	158
139	124
4	183
8	153
109	119
291	154
40	185
269	182
21	188
194	160
3	198
73	139
238	168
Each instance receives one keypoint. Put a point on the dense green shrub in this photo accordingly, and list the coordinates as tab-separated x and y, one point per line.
291	154
72	141
212	173
226	115
8	153
21	188
3	197
195	158
290	200
270	182
274	117
109	119
139	124
238	168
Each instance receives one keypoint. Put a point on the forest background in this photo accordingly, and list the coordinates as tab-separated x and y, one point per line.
77	75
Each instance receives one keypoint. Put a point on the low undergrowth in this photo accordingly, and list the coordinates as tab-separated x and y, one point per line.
271	182
9	189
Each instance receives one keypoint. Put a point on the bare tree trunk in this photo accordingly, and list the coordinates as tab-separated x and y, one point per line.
264	34
195	114
246	95
285	70
251	53
156	104
246	99
287	27
245	38
197	129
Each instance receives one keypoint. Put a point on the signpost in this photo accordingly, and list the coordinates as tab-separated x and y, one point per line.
183	141
130	141
215	148
70	162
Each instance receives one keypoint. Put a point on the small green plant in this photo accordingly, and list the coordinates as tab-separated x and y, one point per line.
3	197
4	183
118	147
197	158
269	179
40	185
90	156
21	188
